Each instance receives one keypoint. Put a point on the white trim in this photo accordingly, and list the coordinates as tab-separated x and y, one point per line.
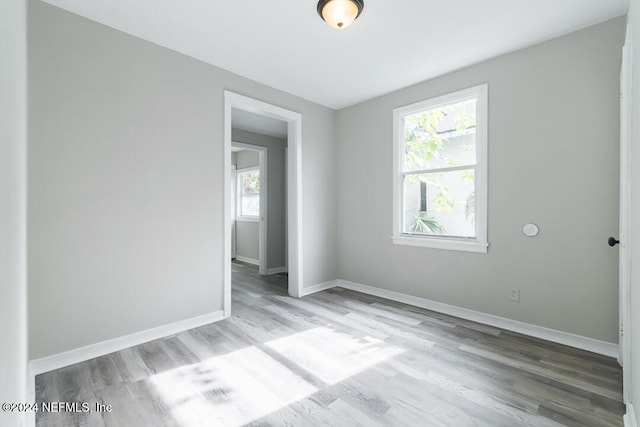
625	247
247	219
480	243
294	188
67	358
276	270
248	260
572	340
60	360
553	335
308	290
629	418
13	215
226	249
286	216
441	243
295	261
264	211
438	170
250	168
232	204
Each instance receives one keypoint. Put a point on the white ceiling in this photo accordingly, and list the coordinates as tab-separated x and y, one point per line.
394	43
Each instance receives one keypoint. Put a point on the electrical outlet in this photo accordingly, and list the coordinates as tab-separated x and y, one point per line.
515	295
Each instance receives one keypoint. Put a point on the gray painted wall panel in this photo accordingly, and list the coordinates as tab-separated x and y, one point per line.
553	160
246	159
248	239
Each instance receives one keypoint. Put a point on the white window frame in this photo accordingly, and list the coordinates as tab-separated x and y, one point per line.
239	216
479	244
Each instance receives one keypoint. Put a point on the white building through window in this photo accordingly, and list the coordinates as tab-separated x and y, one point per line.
440	172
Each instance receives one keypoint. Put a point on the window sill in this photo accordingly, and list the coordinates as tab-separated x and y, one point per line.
247	219
442	243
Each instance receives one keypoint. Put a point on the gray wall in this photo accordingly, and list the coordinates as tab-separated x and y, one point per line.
553	160
247	232
248	240
634	21
13	90
276	192
126	183
246	159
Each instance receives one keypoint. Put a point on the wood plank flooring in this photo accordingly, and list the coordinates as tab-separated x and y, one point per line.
337	358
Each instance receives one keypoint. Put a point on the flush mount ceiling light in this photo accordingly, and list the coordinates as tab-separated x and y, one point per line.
340	14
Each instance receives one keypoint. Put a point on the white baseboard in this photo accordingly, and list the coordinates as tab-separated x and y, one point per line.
60	360
629	418
560	337
276	270
308	290
248	260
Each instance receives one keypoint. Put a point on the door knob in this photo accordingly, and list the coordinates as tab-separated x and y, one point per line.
613	241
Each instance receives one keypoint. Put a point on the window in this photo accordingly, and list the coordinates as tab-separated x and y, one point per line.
440	172
248	189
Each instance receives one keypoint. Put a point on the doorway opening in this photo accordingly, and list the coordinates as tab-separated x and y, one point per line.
250	206
245	119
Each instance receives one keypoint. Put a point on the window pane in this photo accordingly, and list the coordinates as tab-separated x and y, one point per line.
251	182
440	137
250	205
440	203
249	193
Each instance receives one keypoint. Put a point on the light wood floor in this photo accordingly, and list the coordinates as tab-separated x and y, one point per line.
338	358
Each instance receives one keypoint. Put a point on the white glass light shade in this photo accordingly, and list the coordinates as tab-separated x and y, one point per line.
340	14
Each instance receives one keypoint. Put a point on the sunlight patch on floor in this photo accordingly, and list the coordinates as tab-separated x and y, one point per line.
333	356
229	390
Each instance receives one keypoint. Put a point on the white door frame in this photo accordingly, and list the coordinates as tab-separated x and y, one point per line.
625	213
233	191
294	188
264	197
